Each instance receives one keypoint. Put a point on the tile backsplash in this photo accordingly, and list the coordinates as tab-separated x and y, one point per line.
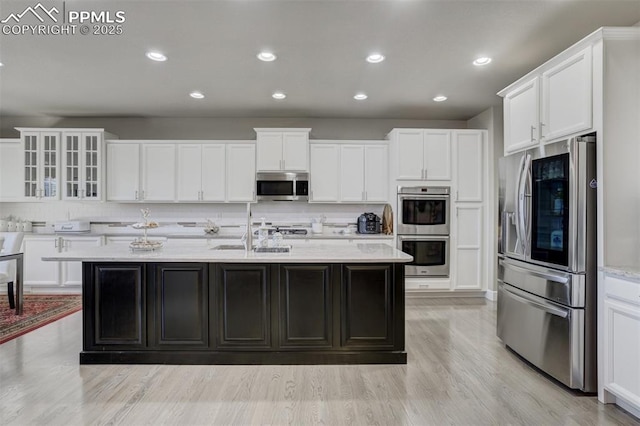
281	212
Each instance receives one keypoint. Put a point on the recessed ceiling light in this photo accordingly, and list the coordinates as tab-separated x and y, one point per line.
278	95
266	56
482	61
374	58
156	56
440	98
1	64
360	97
196	95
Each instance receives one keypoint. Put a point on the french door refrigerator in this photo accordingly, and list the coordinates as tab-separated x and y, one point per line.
547	259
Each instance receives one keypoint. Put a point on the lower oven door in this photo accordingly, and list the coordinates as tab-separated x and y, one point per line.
430	255
548	335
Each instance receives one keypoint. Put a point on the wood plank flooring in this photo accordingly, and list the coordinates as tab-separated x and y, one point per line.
458	373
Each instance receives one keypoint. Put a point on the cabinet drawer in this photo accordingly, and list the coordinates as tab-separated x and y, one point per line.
413	284
627	291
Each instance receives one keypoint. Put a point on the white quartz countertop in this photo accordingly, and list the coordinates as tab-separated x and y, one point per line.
325	253
625	272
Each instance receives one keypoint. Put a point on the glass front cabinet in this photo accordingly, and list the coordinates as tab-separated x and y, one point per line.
82	165
41	165
63	163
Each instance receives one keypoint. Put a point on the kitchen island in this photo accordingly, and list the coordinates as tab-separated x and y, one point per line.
326	304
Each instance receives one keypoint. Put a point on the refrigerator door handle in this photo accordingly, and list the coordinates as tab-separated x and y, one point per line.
526	192
517	206
547	308
548	277
521	227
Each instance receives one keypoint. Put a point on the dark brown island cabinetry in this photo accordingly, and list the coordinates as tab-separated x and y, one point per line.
241	313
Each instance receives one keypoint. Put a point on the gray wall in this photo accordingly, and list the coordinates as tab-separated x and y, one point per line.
224	128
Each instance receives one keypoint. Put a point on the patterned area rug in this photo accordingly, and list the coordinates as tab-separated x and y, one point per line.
38	310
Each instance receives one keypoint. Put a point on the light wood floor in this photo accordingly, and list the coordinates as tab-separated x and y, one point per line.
458	373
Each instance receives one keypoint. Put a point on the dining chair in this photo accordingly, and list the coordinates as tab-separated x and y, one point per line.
12	243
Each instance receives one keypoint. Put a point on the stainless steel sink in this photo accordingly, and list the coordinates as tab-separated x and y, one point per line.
285	249
229	247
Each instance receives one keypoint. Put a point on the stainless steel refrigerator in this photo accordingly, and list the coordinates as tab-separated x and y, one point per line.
547	259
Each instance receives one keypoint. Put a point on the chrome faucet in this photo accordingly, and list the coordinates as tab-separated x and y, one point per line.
247	238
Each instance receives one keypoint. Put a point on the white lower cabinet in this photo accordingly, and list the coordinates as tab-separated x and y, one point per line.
48	276
621	341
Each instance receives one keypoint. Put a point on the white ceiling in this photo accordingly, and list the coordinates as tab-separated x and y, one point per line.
321	47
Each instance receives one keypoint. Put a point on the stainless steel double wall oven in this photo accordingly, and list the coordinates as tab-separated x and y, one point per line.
423	229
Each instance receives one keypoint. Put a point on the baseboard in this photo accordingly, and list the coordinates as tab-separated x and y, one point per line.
629	408
491	295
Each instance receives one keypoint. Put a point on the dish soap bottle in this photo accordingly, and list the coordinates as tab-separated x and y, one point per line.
263	234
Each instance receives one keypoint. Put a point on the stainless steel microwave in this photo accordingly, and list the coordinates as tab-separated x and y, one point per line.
282	186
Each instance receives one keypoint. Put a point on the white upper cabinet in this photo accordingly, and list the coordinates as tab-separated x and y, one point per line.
567	97
376	173
82	165
201	172
241	172
349	172
522	117
123	171
422	154
41	166
324	173
11	172
550	103
214	167
282	149
158	172
469	165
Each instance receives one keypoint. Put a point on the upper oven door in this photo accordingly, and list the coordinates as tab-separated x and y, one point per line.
423	214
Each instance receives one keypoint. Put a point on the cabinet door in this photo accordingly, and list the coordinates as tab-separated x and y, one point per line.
467	261
295	151
470	158
241	172
306	306
622	350
243	306
12	183
36	271
123	171
158	172
376	173
181	306
437	154
324	173
410	148
521	117
49	166
72	271
269	146
367	306
71	165
91	161
115	301
31	144
351	173
189	173
566	97
213	172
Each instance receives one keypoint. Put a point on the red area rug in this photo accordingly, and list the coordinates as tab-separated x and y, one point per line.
38	310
